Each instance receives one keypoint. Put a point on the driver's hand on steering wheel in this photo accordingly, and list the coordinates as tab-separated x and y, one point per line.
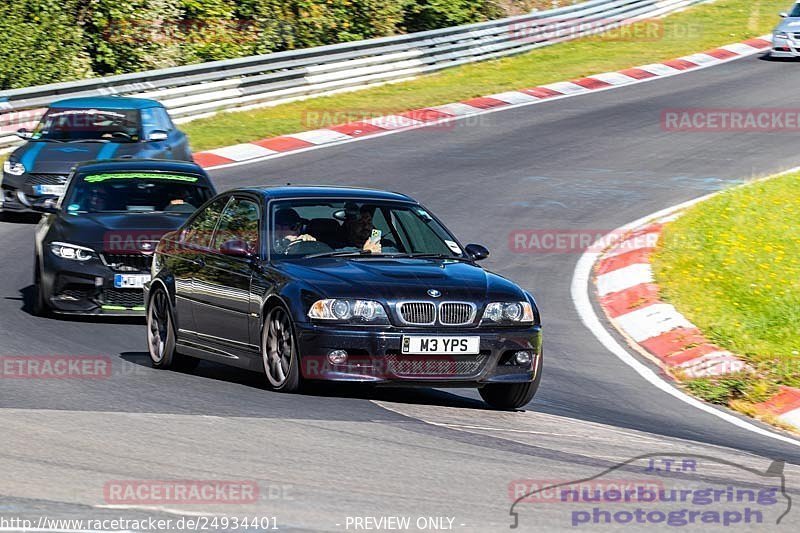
300	238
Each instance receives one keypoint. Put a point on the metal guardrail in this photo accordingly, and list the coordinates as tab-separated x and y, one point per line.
200	90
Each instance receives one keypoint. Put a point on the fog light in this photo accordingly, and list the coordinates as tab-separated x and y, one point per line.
337	357
522	358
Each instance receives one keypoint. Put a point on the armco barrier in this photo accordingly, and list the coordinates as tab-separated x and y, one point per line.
195	91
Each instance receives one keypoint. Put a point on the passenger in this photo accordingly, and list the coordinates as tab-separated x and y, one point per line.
358	228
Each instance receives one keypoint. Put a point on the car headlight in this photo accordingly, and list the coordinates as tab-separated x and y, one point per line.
342	309
509	313
72	251
781	35
13	168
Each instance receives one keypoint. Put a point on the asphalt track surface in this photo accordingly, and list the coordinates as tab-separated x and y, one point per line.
589	163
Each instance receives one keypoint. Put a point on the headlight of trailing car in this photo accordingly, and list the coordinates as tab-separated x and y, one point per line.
509	313
342	309
13	168
781	35
72	251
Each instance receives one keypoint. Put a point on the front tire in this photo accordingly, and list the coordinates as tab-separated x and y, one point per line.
279	351
41	307
512	396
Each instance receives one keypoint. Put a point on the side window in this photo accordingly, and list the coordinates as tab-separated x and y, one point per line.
200	230
162	119
239	222
149	122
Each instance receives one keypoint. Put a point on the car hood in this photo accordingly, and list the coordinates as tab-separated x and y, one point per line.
789	24
401	279
115	232
59	158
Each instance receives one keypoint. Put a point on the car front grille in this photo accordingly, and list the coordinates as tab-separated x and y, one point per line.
418	313
123	297
456	313
42	179
428	313
128	262
46	179
435	366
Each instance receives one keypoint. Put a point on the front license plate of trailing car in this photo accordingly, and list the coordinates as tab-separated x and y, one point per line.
130	281
48	190
418	345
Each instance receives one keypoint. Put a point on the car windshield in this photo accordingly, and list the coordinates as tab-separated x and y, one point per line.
795	11
319	228
139	192
117	125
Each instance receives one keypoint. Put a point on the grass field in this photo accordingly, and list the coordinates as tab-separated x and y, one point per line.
732	266
696	29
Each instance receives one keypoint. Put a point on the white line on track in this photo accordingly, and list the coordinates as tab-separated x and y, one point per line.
581	297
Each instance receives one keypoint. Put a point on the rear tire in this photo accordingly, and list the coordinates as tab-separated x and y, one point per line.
512	395
161	338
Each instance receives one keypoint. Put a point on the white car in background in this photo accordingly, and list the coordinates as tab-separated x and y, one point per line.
786	35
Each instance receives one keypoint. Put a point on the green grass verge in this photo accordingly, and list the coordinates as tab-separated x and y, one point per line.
731	265
696	29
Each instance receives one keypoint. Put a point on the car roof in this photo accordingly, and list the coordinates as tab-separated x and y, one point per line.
332	192
141	165
105	102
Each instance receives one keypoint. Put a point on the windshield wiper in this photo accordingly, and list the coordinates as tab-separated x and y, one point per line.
344	253
435	256
46	140
104	141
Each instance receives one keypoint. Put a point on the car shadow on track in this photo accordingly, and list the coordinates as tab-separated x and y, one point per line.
229	374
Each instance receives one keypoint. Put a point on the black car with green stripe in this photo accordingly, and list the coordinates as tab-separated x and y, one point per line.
94	246
75	130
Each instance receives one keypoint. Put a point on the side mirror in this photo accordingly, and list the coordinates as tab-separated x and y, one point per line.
23	133
41	205
783	15
477	252
158	135
236	248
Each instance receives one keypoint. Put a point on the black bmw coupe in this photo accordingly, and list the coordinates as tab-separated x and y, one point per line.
339	284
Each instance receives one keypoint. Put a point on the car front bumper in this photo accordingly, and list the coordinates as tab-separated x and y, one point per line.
782	47
9	188
87	288
374	356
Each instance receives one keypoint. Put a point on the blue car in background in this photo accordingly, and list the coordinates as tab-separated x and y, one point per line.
76	130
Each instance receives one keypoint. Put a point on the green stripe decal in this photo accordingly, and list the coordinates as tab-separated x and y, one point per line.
97	178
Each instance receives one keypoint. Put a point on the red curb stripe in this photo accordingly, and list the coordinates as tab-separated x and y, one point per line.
758	43
674	341
425	115
637	73
207	159
788	399
625	259
283	144
591	83
541	92
357	129
691	354
680	64
721	53
485	102
633	299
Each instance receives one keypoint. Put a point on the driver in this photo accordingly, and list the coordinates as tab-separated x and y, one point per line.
287	228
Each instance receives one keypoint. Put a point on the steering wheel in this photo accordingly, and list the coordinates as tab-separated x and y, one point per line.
299	247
